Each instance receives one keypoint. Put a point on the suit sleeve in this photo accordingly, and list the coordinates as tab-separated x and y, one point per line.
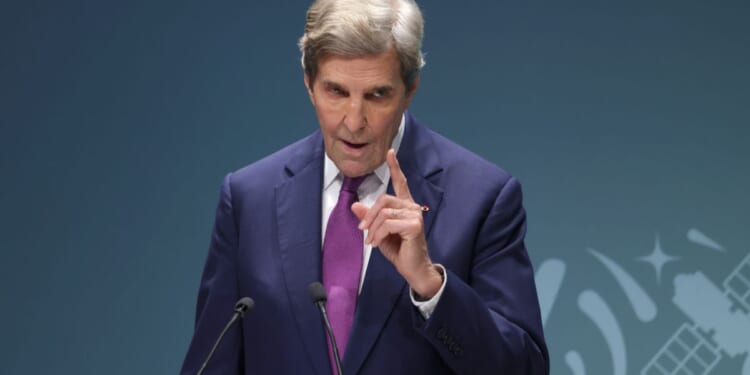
216	298
491	323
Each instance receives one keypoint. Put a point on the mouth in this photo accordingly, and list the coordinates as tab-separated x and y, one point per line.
352	145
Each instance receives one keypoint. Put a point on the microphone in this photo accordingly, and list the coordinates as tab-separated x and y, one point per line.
318	296
245	304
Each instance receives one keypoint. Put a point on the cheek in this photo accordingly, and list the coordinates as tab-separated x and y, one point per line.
386	135
327	119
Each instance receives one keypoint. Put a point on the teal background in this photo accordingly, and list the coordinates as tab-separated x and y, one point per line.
624	121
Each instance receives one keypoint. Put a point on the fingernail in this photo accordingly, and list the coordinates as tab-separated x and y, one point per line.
362	225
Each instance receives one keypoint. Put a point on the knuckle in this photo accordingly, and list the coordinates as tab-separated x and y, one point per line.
381	199
392	212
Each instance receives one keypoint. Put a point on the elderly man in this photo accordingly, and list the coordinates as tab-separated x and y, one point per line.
418	242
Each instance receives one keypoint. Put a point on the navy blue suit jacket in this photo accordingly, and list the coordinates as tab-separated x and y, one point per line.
266	244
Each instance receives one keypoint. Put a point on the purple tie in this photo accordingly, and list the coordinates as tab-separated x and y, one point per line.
342	264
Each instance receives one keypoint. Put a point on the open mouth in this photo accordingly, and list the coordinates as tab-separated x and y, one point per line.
355	145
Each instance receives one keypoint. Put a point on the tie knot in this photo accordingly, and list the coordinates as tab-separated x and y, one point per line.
351	184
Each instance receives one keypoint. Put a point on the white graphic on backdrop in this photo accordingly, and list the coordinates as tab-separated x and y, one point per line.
658	258
575	362
711	311
594	307
696	236
718	326
549	277
643	305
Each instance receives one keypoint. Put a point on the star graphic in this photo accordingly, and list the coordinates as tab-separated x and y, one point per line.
658	258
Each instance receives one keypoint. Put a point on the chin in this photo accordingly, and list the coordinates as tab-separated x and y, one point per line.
354	173
354	170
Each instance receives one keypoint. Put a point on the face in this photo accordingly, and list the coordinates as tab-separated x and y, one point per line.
359	102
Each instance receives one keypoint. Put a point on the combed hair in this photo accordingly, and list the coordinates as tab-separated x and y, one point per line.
357	28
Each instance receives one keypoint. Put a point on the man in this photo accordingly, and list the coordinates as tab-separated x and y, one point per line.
427	274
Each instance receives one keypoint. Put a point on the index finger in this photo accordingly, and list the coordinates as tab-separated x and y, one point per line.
398	178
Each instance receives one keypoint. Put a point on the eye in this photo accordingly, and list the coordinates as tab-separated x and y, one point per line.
380	93
336	91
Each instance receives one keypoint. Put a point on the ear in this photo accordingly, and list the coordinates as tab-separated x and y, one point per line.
308	86
410	92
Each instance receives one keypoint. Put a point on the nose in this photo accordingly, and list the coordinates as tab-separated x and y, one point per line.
354	118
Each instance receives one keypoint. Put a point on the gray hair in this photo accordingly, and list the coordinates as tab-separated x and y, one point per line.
361	28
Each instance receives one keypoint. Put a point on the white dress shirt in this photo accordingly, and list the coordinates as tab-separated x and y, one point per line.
370	189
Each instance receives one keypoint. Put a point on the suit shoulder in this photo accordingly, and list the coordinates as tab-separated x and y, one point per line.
461	163
270	170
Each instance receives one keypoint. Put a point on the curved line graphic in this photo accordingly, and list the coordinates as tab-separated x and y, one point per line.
642	304
696	236
575	363
548	280
599	312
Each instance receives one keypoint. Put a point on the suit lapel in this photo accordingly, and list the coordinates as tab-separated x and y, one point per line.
383	285
298	215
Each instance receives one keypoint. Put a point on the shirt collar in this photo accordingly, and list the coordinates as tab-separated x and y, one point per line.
331	172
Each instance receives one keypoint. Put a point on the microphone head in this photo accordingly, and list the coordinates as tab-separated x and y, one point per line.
317	292
244	304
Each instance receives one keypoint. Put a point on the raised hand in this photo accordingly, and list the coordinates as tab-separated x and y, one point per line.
395	225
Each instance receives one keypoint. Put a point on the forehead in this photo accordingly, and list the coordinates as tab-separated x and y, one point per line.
380	69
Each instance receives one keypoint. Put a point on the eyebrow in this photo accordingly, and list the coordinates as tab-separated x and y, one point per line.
331	83
386	88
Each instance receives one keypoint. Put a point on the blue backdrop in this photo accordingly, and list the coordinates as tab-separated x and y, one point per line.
627	122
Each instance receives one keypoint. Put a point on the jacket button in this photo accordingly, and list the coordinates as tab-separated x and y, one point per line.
442	333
